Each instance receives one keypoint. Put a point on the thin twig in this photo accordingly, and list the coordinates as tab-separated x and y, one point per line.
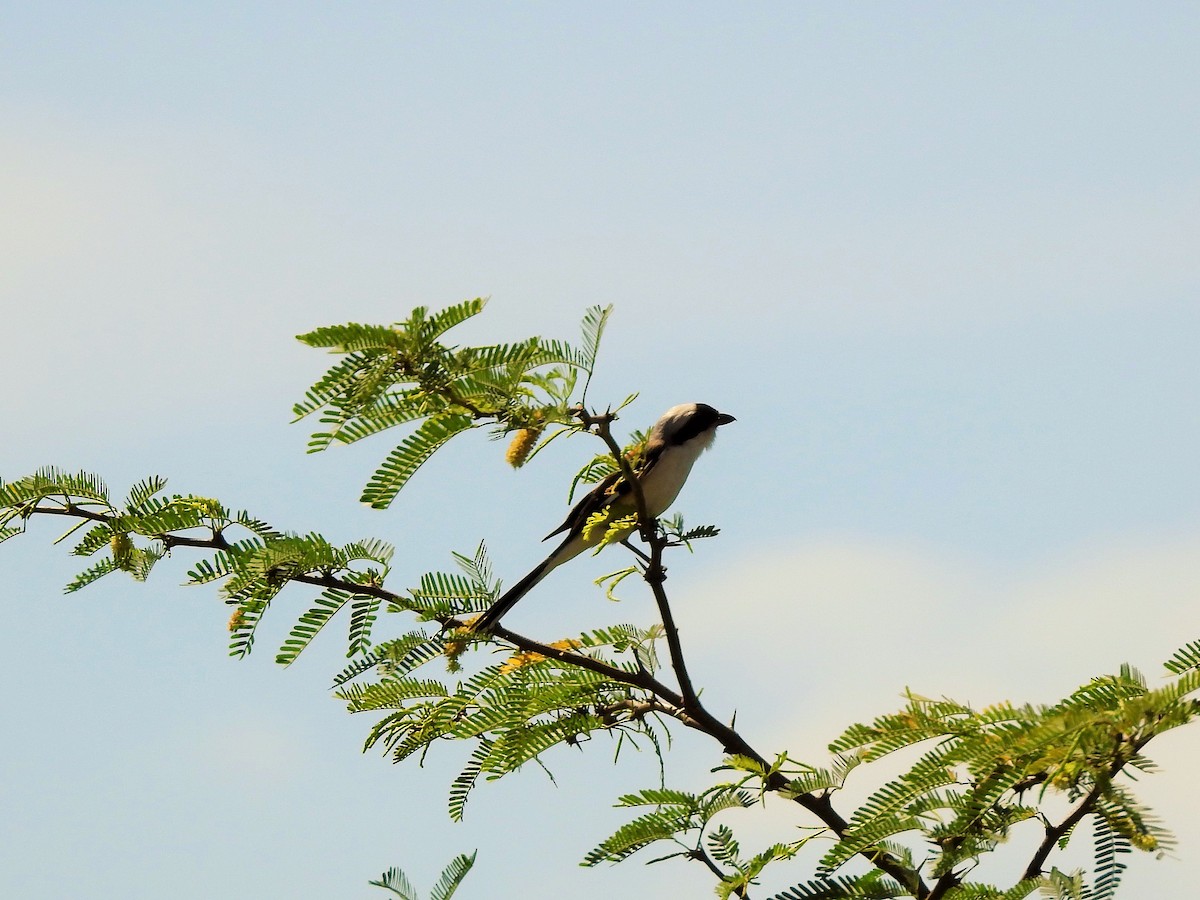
1055	832
636	551
700	855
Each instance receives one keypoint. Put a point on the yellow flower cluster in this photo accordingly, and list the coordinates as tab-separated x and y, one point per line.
522	442
529	657
520	660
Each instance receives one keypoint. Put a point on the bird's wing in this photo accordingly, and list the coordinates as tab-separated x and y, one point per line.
605	493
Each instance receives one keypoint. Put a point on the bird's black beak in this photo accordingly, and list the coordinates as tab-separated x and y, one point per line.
725	419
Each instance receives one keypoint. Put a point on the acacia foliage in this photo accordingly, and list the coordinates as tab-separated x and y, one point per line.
397	884
976	777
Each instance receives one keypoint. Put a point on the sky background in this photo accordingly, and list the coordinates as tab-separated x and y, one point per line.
940	260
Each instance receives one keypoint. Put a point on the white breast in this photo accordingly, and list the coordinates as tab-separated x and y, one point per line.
661	485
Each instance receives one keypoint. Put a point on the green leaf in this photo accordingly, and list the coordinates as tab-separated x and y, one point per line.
363	613
661	797
593	472
1186	657
443	321
638	834
397	882
1108	868
723	846
594	321
872	886
403	462
50	481
389	411
464	783
310	623
392	693
143	491
338	380
398	656
354	337
452	877
90	574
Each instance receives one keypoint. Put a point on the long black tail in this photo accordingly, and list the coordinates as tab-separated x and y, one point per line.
492	615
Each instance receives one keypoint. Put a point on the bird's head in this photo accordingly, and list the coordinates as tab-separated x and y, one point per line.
687	421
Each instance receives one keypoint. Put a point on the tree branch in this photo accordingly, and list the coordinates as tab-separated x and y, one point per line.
1055	832
699	855
684	706
655	574
694	714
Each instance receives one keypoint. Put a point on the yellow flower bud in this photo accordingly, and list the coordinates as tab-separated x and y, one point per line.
522	442
122	550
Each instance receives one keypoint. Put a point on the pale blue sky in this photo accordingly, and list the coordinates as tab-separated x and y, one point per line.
939	259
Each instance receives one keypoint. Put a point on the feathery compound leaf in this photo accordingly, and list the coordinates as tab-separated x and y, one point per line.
520	385
256	526
980	891
397	882
338	380
1059	885
723	846
478	567
1021	889
392	693
443	594
389	411
643	831
677	813
921	720
143	491
872	886
869	836
223	562
363	613
396	657
896	796
441	322
403	462
50	481
831	779
96	537
353	337
519	746
700	531
595	471
310	623
1108	869
661	797
1186	657
620	637
452	877
244	624
594	321
92	573
464	783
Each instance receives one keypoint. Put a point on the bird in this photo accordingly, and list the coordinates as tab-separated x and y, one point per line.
674	444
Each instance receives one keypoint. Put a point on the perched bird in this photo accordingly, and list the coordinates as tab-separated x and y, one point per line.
674	444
